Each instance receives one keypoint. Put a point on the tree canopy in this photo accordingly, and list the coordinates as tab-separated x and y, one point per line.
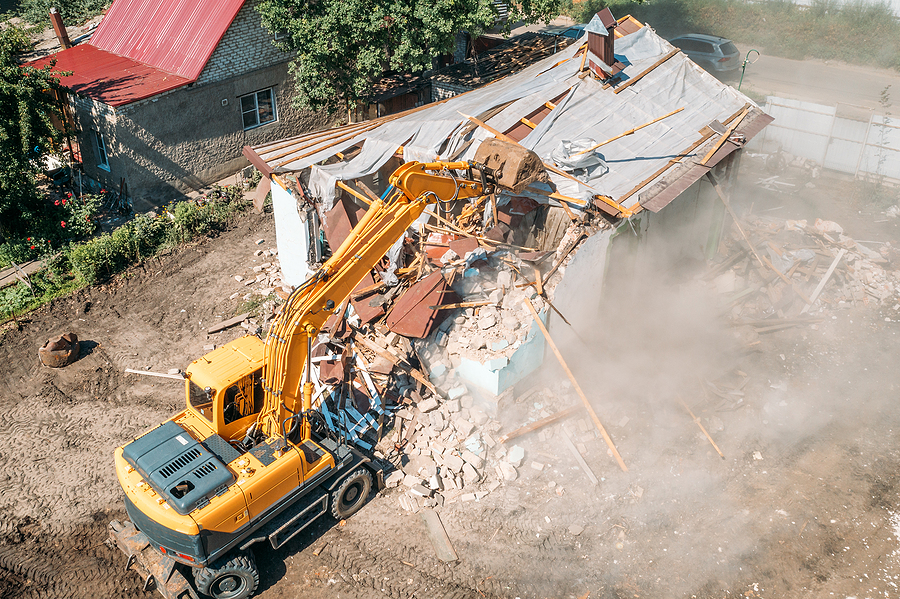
343	46
27	106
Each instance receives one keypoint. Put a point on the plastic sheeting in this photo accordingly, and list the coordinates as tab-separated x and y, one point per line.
587	111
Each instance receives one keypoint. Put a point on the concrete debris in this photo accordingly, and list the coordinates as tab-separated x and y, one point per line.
792	274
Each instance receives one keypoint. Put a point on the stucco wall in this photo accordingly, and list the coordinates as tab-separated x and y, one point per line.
245	47
187	139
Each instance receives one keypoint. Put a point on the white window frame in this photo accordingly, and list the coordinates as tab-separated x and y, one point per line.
255	110
100	148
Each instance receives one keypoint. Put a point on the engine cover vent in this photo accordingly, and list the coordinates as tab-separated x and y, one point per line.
177	467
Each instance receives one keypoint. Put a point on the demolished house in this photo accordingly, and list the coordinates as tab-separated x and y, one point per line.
628	129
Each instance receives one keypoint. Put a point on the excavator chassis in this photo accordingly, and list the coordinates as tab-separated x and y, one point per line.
155	569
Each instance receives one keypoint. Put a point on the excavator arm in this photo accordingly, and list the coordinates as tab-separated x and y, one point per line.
413	187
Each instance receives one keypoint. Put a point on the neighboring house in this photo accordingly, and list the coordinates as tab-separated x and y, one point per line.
167	93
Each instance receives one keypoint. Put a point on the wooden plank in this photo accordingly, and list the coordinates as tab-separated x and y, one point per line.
629	132
584	399
227	323
822	283
703	138
702	428
523	430
396	361
646	71
725	135
567	438
462	305
161	375
438	536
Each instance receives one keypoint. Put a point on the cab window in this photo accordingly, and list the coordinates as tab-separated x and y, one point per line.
200	400
244	398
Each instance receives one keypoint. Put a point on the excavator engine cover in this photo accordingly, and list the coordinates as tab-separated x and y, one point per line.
514	167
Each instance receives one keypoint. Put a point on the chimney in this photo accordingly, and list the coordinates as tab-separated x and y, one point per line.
60	29
601	42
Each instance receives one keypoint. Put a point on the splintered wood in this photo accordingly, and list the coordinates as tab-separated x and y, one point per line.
584	399
777	271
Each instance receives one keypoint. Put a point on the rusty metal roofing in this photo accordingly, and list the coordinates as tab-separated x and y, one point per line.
177	36
109	78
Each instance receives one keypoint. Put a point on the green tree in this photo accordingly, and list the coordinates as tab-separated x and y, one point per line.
343	46
27	106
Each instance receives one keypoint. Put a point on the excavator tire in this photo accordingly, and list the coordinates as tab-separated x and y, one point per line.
351	494
233	577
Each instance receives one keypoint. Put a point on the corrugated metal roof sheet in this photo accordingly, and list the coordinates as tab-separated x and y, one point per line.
173	35
109	78
145	47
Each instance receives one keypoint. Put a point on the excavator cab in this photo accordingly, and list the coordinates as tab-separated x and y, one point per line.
224	388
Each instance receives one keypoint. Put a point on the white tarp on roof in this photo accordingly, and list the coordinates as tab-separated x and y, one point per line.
587	111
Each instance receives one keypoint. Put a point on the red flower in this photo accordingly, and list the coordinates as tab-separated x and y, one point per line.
29	239
62	224
102	191
63	202
32	247
68	195
56	203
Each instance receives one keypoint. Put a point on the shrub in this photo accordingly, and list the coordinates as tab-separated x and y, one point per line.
74	12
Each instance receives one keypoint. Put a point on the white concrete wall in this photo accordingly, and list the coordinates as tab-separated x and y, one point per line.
291	236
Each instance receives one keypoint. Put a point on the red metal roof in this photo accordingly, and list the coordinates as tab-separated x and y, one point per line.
143	48
109	78
173	35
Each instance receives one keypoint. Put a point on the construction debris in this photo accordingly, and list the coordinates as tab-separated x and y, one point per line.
806	269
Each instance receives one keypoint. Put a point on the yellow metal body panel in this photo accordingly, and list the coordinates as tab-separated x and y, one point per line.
226	513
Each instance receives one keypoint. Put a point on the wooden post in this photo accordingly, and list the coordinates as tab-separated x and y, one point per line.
578	390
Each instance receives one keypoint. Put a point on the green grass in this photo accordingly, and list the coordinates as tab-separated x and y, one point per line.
857	32
81	263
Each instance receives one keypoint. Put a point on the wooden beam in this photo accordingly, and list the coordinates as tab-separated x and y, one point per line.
354	193
646	71
396	361
584	399
567	438
673	161
702	428
725	135
629	132
824	280
227	323
524	430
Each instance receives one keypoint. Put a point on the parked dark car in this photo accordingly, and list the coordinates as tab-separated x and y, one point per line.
572	32
717	55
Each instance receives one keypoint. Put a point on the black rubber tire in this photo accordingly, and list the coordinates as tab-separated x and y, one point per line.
351	494
233	577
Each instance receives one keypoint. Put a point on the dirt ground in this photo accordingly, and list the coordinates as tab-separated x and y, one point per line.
804	504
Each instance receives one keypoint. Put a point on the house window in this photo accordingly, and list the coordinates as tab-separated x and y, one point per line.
258	108
100	146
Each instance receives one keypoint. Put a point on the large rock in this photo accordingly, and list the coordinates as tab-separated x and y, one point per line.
60	351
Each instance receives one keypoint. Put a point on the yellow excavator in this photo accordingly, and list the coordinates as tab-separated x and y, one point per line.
243	462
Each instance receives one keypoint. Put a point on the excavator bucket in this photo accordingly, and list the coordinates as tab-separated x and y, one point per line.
514	167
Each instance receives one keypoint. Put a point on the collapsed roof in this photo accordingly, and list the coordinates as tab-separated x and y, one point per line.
556	107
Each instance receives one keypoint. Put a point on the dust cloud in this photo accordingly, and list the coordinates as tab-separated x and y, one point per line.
683	519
